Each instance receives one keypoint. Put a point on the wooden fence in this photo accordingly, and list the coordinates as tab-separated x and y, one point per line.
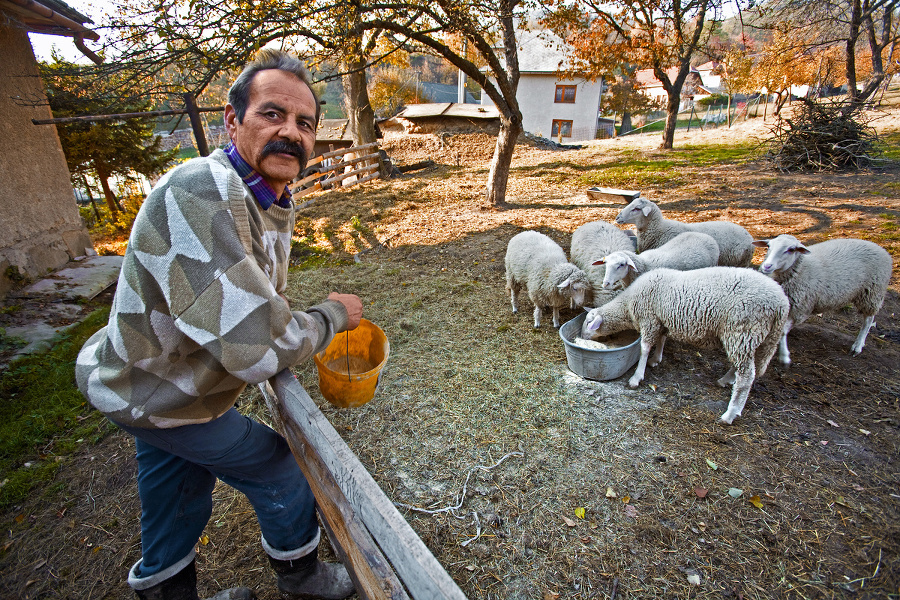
331	169
382	553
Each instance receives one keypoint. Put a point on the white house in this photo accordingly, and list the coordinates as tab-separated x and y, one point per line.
553	107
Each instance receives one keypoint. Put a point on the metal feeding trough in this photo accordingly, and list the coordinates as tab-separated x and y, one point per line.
612	194
598	364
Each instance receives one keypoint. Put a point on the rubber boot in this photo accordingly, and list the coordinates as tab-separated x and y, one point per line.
308	578
183	586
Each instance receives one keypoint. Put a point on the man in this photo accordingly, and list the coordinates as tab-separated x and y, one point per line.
198	314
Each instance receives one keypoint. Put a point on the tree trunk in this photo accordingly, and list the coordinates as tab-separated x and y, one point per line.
90	194
111	201
360	113
626	122
852	36
498	176
672	104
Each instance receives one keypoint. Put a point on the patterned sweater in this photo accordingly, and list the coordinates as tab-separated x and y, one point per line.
197	312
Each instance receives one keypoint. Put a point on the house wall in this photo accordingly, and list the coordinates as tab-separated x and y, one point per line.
40	227
537	94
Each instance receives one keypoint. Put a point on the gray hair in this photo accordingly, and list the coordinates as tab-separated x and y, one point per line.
267	58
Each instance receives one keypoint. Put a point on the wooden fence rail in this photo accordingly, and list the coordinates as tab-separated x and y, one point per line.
338	172
385	557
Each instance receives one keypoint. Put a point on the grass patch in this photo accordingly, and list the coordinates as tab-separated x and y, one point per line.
43	416
717	154
636	173
889	144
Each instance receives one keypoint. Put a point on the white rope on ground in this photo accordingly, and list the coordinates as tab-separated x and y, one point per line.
462	496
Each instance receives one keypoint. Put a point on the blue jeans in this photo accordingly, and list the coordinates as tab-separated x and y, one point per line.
177	470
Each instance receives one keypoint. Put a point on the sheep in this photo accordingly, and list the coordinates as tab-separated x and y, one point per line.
825	277
684	252
593	241
741	308
654	230
538	264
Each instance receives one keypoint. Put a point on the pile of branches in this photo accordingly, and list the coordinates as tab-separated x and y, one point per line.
823	136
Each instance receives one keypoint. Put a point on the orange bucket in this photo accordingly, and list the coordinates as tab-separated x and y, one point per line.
350	367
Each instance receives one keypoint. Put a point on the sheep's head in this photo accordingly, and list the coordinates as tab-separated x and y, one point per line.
593	320
781	254
575	285
618	266
638	210
606	320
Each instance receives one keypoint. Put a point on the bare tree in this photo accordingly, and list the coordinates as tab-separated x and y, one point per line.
865	30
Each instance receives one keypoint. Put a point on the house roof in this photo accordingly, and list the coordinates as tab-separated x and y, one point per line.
708	66
448	109
52	17
539	53
333	129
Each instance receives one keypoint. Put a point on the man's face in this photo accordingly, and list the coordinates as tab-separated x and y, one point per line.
279	128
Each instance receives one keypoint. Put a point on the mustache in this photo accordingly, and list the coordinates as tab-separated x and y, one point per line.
285	147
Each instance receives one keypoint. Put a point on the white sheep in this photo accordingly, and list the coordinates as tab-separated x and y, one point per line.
591	242
741	308
684	252
826	277
654	230
538	264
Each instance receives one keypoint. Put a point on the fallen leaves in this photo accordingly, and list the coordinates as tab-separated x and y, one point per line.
755	501
712	465
701	492
579	512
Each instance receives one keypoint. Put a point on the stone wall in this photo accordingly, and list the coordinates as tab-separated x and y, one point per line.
41	228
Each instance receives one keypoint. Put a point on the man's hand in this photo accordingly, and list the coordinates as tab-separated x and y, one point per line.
353	305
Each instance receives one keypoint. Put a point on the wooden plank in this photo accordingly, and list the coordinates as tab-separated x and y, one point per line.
344	176
417	567
371	573
296	185
301	193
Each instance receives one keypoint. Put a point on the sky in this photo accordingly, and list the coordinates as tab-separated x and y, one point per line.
43	44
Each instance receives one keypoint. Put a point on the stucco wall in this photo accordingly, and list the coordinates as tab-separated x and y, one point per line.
40	228
536	95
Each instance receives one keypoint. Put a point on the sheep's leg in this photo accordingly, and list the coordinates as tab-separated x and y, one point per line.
537	316
513	298
744	376
765	352
868	324
784	354
657	356
648	339
727	379
556	317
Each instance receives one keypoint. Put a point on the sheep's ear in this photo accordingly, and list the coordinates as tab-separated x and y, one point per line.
565	284
595	323
630	264
800	249
761	243
646	209
587	308
602	261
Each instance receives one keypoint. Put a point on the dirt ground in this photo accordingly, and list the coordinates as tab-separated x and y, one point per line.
603	491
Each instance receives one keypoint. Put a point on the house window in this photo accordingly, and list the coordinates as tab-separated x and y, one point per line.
561	129
565	94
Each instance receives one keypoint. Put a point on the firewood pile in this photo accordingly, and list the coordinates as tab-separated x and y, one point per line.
823	136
